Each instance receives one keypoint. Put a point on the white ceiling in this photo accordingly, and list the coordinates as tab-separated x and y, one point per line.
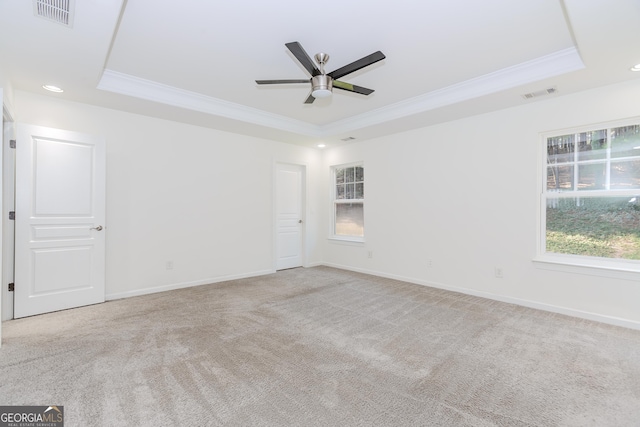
196	61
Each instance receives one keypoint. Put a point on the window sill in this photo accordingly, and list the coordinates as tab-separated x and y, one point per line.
592	266
346	240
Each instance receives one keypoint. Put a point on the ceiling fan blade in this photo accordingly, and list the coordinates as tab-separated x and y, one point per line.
277	82
310	99
352	88
356	65
303	58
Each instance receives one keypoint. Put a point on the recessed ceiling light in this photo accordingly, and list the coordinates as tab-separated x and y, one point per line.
321	145
53	88
635	67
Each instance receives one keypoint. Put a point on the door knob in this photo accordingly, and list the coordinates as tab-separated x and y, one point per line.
299	221
98	228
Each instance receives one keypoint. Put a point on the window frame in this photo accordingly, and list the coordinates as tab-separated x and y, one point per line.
581	264
335	201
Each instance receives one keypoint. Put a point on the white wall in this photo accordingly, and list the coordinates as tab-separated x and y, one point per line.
198	197
7	91
464	195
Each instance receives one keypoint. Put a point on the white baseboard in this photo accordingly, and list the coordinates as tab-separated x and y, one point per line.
171	287
313	264
611	320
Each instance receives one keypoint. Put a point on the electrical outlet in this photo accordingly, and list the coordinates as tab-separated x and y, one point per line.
499	272
429	263
169	265
370	254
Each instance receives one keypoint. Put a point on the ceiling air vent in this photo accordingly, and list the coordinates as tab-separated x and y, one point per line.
349	138
538	93
60	11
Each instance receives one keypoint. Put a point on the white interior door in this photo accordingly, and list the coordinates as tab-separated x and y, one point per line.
60	214
289	218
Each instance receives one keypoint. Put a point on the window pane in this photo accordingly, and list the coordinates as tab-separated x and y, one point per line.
349	174
606	227
624	141
625	175
592	177
560	149
350	191
348	202
560	178
592	145
349	219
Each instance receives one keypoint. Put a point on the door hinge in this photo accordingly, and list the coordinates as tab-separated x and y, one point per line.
11	287
12	215
12	143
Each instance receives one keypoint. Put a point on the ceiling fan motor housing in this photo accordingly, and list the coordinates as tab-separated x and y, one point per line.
321	82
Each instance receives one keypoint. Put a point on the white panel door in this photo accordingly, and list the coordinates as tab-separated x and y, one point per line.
289	219
60	214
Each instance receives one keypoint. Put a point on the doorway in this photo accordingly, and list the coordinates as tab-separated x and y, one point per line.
289	215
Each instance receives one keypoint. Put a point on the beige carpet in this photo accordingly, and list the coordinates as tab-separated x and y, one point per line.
321	347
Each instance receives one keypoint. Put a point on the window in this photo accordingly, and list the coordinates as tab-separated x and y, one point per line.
348	201
591	193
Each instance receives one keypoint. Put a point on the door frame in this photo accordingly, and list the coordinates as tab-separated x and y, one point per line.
8	185
303	209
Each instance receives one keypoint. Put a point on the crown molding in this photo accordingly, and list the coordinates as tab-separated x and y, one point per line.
551	65
126	84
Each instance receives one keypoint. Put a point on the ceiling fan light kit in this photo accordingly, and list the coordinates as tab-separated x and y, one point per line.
322	84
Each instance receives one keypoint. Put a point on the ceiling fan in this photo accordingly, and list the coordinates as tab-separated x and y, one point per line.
322	83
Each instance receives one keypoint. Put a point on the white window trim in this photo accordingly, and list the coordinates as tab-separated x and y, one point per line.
347	239
579	264
332	226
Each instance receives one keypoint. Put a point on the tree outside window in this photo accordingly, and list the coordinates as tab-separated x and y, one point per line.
592	193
